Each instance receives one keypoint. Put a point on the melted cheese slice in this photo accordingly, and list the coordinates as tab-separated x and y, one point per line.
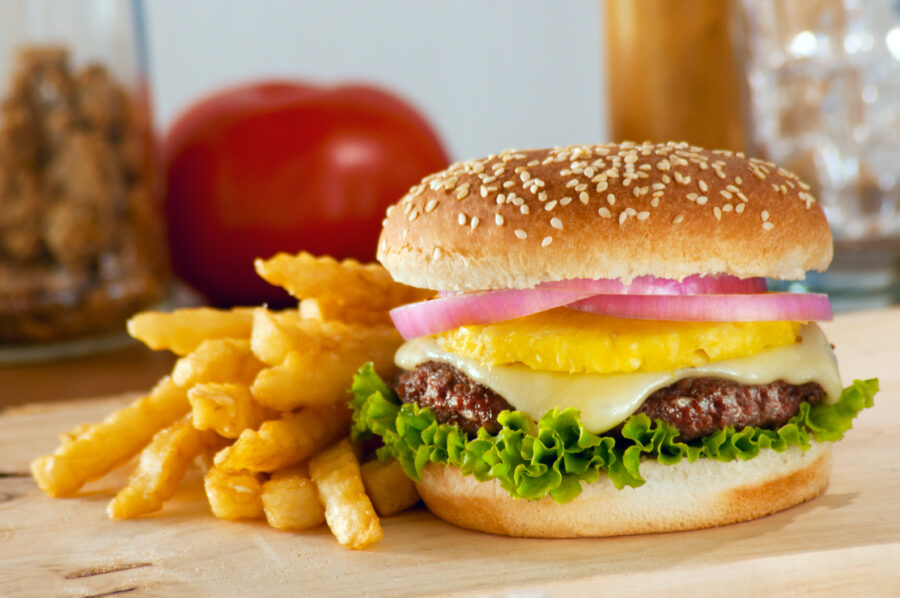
606	400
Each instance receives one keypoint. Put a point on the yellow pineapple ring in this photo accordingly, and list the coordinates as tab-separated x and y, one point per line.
567	340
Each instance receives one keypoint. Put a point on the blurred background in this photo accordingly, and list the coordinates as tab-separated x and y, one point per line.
141	139
488	75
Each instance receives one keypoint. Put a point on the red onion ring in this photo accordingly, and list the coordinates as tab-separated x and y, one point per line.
696	298
695	284
711	308
721	284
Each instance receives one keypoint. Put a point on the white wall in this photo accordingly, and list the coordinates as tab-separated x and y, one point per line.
489	74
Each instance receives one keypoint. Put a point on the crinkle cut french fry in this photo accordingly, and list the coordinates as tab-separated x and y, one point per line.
229	409
388	487
290	500
275	334
234	494
348	511
328	309
217	360
102	447
365	286
181	331
286	441
317	378
162	464
74	433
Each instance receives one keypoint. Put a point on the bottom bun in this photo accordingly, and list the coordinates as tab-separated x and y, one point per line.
685	496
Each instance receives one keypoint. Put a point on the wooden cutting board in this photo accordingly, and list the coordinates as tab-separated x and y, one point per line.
846	542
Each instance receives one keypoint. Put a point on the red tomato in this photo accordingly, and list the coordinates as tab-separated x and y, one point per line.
284	166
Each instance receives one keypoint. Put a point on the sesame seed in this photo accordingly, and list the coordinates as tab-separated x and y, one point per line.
654	202
643	215
768	226
727	207
717	212
461	218
740	208
581	187
622	217
525	176
475	222
462	193
498	219
432	203
725	194
703	186
542	196
524	209
521	234
604	212
658	186
533	163
584	197
556	223
732	188
764	215
565	201
508	184
413	215
678	176
571	183
516	200
546	241
702	200
692	196
602	186
678	219
550	205
437	253
611	199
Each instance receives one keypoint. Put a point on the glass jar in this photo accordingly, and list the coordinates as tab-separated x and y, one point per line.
824	83
81	244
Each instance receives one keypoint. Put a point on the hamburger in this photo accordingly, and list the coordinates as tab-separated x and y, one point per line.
601	356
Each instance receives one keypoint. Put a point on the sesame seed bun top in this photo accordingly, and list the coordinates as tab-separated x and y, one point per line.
520	218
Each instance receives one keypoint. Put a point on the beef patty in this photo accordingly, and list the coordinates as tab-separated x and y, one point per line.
696	407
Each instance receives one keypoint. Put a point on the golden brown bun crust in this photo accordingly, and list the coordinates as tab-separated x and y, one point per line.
608	211
685	496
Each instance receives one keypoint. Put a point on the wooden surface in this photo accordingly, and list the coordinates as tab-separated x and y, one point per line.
846	542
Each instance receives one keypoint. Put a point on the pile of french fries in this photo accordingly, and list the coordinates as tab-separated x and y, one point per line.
260	397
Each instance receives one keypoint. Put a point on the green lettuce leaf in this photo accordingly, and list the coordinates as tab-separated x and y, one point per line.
556	455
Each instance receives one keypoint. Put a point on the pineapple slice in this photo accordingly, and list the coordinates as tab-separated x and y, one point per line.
567	340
